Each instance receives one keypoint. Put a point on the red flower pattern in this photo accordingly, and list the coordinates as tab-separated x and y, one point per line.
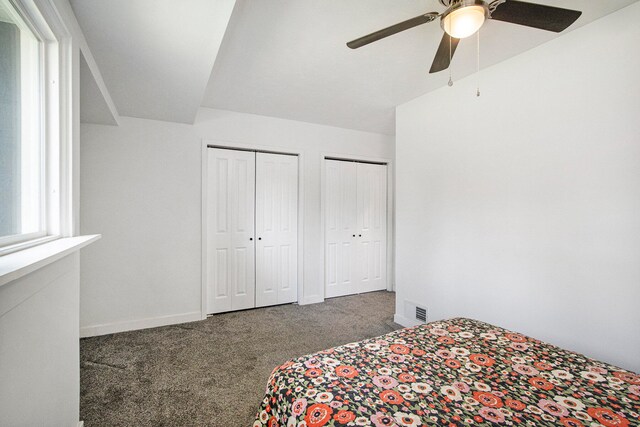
318	415
346	371
344	417
427	375
607	417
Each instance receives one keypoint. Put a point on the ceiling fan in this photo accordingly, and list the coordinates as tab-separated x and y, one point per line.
464	18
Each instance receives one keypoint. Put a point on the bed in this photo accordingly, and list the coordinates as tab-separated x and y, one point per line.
458	372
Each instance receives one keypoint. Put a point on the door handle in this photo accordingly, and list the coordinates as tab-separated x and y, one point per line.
359	235
354	235
250	238
259	238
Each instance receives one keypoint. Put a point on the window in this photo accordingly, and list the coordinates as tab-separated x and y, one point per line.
36	136
21	142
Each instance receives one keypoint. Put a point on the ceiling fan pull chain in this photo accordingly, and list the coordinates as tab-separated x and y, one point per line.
450	79
478	64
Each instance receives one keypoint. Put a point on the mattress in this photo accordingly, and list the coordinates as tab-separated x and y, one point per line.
458	372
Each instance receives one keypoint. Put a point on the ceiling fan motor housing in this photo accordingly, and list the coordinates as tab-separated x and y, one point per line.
448	3
464	17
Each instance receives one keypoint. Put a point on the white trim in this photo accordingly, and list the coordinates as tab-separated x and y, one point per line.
27	243
67	169
311	300
62	60
134	325
18	264
390	212
65	14
255	147
80	423
203	259
7	242
406	322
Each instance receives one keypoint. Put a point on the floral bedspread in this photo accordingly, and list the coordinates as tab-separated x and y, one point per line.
458	372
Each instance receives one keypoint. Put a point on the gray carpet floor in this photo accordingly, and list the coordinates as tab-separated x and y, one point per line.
214	372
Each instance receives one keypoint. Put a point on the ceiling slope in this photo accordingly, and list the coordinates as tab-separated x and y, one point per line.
95	99
288	58
155	56
93	107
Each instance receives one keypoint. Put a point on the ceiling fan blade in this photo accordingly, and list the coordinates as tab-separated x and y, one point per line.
535	15
444	55
394	29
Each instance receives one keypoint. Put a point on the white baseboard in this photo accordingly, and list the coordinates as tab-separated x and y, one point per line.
311	300
80	423
406	322
132	325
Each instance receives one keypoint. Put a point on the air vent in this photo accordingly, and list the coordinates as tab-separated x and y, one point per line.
413	314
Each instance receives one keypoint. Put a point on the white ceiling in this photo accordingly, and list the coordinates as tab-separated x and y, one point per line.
155	56
281	58
93	106
287	58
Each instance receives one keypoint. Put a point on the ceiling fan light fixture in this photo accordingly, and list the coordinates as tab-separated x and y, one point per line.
464	18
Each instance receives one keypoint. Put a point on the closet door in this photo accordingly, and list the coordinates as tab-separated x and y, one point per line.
341	228
230	230
276	229
372	227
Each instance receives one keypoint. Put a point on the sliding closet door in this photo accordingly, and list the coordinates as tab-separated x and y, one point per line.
372	227
276	229
341	224
230	230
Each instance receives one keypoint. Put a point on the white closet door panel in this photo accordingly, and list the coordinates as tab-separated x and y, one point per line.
341	224
230	230
276	229
372	227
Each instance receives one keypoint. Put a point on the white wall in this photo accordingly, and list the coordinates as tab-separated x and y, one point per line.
522	207
141	188
39	347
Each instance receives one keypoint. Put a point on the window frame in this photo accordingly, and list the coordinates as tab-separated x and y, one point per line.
56	65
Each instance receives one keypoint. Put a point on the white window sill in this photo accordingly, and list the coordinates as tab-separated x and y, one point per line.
18	264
